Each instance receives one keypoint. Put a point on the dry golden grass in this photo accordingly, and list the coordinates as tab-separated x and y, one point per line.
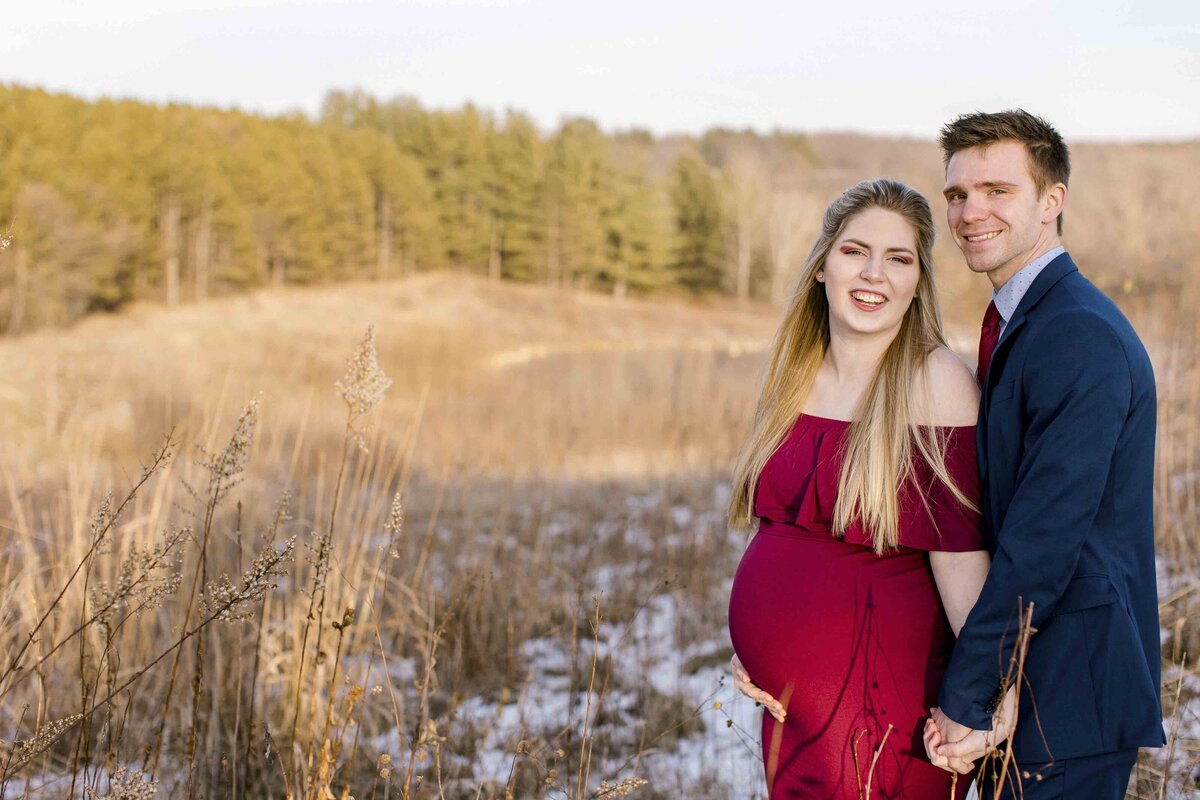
536	450
509	406
466	355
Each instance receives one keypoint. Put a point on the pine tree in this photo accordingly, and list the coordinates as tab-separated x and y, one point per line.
699	252
513	190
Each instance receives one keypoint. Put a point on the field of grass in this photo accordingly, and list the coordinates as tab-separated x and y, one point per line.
505	577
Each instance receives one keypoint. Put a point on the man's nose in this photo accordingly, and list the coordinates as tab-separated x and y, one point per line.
974	209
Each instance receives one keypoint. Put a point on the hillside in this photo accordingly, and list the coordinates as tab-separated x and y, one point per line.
518	363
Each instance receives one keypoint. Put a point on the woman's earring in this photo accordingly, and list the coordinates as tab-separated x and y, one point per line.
820	274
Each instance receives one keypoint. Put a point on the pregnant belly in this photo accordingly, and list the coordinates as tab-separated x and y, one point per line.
810	614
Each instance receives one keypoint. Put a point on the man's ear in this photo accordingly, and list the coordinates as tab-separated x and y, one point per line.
1053	202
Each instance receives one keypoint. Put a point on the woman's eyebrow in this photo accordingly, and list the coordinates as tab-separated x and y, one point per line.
866	246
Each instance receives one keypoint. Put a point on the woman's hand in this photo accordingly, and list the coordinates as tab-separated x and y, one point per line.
954	747
933	740
749	688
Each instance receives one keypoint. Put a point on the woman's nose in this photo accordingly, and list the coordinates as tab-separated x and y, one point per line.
873	269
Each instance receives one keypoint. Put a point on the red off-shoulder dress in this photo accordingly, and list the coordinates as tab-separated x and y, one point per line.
848	640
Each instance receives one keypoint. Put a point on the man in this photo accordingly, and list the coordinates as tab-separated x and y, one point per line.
1066	448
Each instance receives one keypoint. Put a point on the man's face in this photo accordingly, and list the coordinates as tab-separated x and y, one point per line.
994	210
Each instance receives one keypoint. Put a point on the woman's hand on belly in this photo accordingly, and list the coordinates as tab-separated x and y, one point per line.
749	688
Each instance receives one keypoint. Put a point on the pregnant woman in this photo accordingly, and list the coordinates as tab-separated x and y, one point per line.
861	472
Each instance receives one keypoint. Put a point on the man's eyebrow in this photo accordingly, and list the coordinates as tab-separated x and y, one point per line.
982	184
888	250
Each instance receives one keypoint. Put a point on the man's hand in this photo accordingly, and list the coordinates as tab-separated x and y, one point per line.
749	688
934	739
953	746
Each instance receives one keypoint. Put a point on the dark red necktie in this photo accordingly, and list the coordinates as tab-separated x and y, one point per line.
989	334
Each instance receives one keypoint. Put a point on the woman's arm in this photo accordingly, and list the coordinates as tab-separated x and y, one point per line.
950	397
959	577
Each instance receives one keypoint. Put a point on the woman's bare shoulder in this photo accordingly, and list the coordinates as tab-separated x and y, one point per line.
946	392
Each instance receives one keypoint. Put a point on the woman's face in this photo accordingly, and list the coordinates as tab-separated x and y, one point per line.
871	274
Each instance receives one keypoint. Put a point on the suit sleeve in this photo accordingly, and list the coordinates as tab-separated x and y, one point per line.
1077	394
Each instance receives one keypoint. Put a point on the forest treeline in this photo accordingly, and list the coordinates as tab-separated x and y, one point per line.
112	201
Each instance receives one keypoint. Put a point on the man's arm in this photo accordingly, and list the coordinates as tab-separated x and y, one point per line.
1078	394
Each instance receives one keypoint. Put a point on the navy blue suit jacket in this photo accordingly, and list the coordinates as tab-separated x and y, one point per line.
1066	450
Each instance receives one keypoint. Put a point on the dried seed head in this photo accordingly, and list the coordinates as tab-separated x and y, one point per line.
101	525
393	526
126	784
395	516
225	468
621	788
317	555
236	603
347	621
364	383
147	577
283	513
26	750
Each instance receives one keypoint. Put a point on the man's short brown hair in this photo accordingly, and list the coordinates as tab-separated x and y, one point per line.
1049	158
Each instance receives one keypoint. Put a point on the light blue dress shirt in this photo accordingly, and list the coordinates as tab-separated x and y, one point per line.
1010	294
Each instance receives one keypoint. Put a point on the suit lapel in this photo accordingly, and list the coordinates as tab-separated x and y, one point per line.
1054	272
985	508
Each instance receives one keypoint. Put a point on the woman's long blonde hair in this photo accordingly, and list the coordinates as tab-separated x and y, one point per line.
878	454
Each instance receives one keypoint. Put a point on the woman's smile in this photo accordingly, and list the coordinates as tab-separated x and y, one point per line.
868	301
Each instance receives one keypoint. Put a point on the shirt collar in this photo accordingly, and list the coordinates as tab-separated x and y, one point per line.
1009	296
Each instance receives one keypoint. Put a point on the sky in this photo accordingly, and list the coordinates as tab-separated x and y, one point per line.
1103	70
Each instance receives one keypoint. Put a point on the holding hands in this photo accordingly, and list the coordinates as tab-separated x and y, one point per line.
955	747
949	745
